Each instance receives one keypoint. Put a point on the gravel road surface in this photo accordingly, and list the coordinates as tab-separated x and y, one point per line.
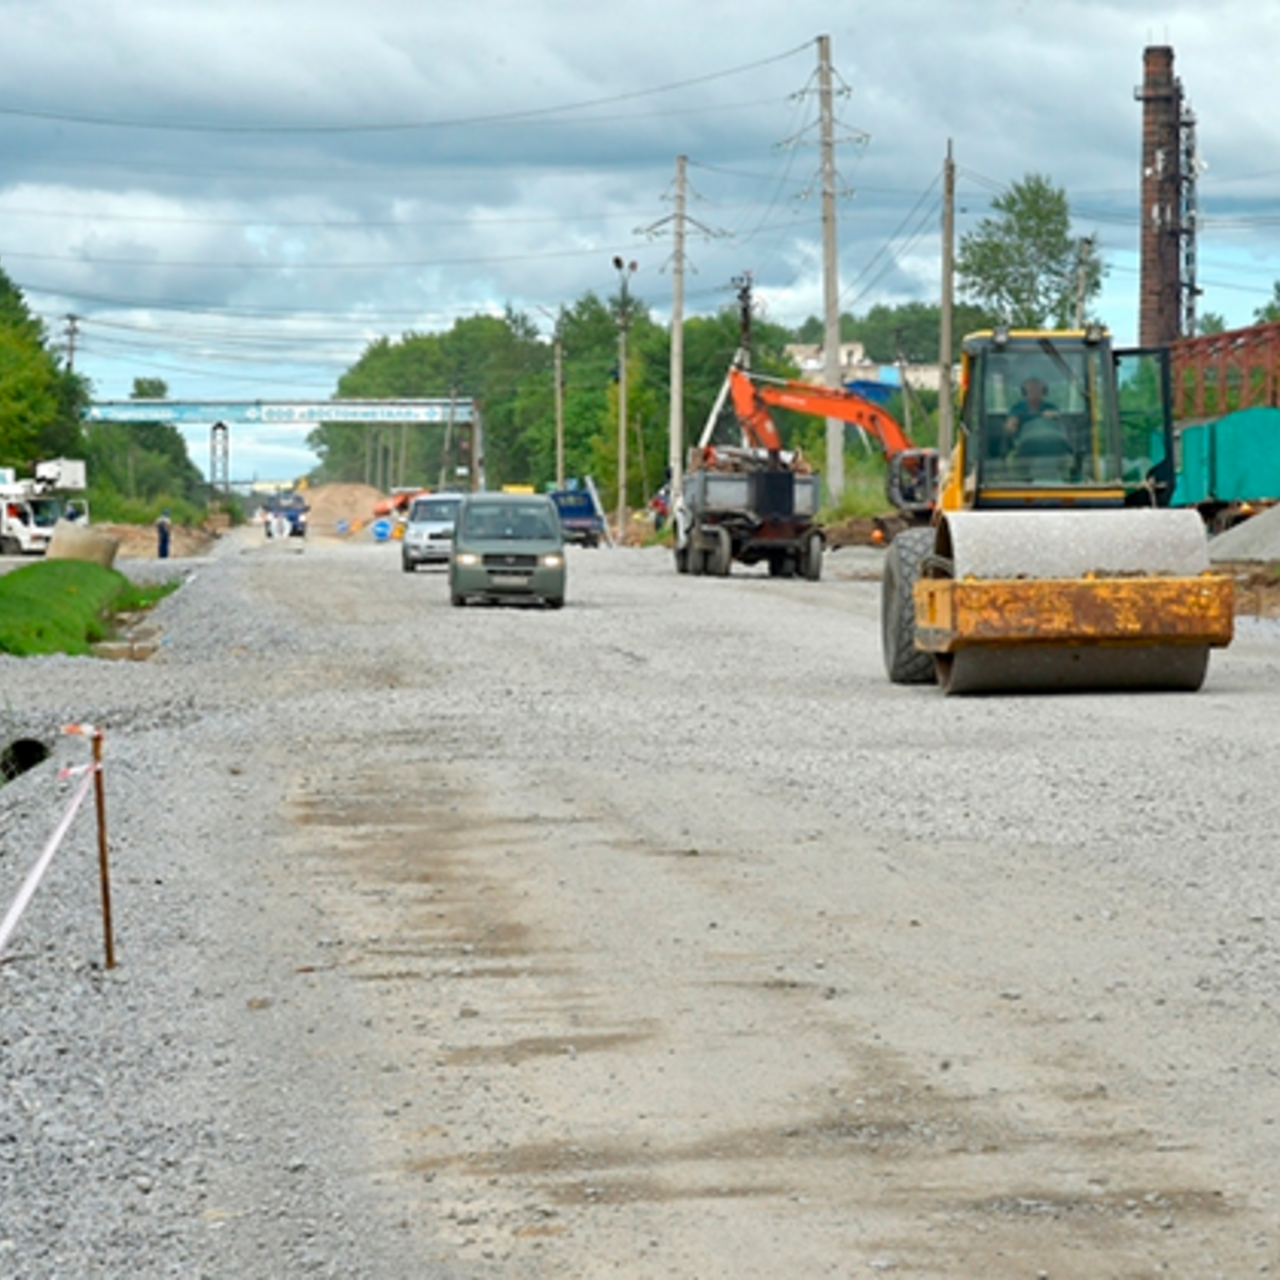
656	937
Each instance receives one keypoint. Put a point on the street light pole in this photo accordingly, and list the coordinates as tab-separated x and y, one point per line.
625	271
558	356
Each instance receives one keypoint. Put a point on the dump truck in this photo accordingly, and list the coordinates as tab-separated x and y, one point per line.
1053	560
753	502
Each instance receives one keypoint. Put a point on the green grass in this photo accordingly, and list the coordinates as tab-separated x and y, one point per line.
863	490
66	606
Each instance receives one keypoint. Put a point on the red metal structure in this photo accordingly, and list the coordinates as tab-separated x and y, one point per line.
1219	373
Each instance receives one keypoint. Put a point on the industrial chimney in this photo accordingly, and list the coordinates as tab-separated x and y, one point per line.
1167	242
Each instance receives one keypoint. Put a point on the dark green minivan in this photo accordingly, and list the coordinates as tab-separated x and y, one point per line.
507	546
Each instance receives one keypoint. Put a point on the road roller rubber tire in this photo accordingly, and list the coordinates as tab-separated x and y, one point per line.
903	662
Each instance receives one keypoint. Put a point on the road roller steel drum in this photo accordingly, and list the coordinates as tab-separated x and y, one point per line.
1071	600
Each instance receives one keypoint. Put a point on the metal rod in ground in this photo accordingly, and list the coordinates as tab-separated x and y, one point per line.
104	873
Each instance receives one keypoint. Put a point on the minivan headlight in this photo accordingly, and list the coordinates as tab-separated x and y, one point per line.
552	560
467	559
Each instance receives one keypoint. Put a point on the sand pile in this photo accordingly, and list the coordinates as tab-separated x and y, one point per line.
139	541
332	504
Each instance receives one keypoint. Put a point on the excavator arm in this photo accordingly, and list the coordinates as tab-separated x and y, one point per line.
752	398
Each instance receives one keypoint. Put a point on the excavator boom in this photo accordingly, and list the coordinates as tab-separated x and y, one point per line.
753	396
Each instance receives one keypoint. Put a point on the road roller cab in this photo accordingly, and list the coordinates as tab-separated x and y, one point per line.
1052	561
1060	420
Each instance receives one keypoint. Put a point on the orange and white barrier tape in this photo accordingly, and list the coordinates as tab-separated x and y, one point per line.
36	874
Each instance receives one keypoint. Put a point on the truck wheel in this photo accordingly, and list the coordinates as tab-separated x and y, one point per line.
10	547
722	557
903	662
682	559
697	558
811	558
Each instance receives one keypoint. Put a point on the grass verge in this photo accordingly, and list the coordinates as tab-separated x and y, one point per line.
66	606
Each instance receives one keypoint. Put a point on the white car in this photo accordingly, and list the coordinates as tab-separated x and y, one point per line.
428	533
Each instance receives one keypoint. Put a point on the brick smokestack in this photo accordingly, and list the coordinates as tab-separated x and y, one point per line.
1160	289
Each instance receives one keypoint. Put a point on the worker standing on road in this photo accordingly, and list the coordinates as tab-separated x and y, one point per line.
163	530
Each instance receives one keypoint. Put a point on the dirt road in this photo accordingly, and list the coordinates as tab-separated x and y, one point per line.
658	936
662	937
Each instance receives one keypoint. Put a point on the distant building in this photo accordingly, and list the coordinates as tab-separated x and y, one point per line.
856	368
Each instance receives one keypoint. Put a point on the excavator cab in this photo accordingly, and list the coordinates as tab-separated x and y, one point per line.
1049	563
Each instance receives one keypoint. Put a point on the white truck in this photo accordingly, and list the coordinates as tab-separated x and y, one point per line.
30	508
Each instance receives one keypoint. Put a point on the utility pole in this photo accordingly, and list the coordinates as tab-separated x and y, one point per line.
902	378
945	339
559	377
625	271
830	281
675	413
681	222
447	451
557	355
1082	276
743	285
73	330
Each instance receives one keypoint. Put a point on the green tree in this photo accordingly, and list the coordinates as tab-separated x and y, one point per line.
1211	322
913	331
147	461
1271	310
1025	265
484	358
149	389
814	331
42	403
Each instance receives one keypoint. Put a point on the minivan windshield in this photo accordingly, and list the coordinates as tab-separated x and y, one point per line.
433	511
514	521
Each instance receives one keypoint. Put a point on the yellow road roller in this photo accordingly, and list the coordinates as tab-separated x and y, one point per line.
1053	560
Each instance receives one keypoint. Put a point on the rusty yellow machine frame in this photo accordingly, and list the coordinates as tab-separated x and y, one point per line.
954	615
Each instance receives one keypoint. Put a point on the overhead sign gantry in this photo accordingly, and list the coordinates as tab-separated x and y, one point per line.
221	414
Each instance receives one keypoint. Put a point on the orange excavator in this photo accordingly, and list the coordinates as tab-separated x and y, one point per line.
912	478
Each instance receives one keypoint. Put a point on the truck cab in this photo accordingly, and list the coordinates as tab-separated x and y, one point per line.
581	521
30	508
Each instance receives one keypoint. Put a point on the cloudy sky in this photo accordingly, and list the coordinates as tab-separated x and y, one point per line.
238	197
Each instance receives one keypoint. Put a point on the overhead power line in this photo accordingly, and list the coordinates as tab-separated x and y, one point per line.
503	117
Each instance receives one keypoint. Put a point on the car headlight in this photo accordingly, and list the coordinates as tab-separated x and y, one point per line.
467	559
552	560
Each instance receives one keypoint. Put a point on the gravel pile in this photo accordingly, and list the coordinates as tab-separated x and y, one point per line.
1255	539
